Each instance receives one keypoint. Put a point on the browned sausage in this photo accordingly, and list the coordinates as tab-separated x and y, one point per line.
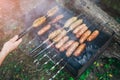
75	31
61	42
80	32
79	50
75	24
60	36
39	21
93	35
44	29
85	36
57	19
66	45
69	22
47	27
71	49
54	33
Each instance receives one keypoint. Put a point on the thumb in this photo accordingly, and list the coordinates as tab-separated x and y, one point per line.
14	38
18	42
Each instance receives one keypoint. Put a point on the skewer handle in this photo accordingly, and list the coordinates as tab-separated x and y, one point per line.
24	32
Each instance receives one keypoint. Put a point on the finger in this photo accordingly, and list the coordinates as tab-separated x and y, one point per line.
14	38
18	42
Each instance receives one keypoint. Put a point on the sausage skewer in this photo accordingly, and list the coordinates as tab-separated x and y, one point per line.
61	42
75	24
77	29
85	36
66	45
71	49
80	32
93	35
69	22
39	21
79	50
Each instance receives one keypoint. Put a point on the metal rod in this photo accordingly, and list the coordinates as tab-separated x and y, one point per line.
57	63
53	77
24	32
39	46
44	49
50	59
38	60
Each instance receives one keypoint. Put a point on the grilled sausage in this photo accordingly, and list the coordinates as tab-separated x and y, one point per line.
54	34
69	22
66	45
85	36
57	19
39	21
60	36
93	35
44	29
77	29
75	24
61	42
81	31
79	50
52	11
71	49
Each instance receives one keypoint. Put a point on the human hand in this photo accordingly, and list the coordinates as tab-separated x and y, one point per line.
11	45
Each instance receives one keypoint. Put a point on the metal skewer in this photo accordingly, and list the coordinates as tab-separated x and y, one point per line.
39	46
38	60
44	49
50	59
53	77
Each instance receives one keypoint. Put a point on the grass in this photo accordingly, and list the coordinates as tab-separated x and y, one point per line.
18	66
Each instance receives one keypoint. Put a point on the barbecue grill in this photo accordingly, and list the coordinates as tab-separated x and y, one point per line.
47	53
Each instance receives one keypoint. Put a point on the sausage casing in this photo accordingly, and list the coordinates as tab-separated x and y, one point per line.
77	29
66	45
75	24
85	36
81	31
57	19
79	50
52	11
60	36
70	21
54	33
61	42
44	29
71	49
93	35
39	21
